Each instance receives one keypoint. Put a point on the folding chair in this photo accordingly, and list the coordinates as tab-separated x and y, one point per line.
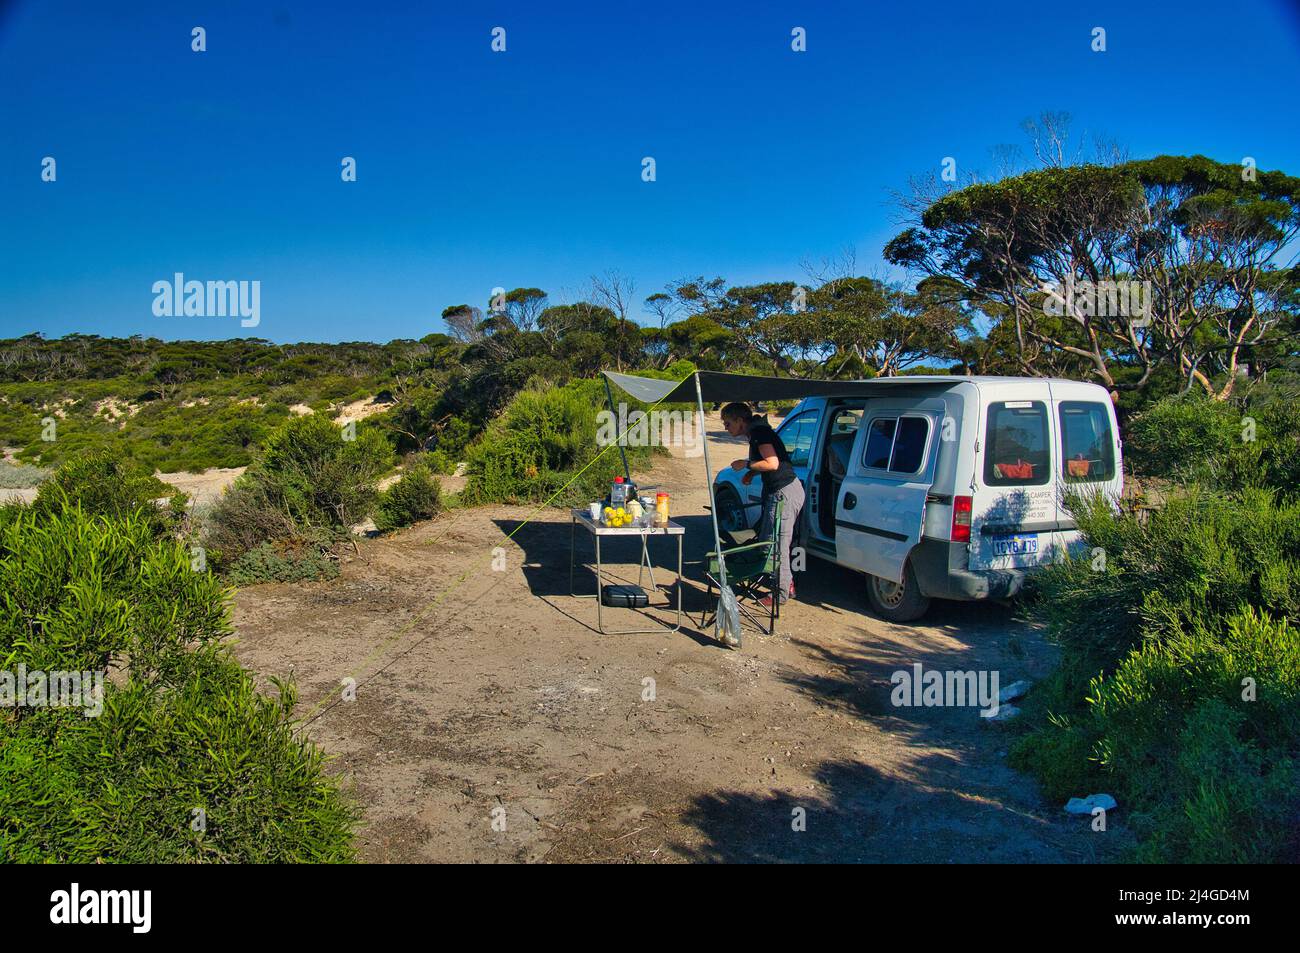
747	567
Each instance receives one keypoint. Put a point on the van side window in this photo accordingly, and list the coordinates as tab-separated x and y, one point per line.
880	441
1087	445
797	434
909	445
896	444
1016	447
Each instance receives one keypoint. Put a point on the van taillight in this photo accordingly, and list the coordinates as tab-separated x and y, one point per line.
961	506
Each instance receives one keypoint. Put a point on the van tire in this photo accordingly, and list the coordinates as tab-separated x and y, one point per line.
729	505
894	602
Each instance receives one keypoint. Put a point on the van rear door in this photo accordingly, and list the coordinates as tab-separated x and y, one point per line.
881	505
1089	451
1013	511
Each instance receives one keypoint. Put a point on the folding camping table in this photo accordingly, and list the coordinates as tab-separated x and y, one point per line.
599	531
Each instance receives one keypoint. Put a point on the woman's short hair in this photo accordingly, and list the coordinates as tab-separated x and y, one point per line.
737	411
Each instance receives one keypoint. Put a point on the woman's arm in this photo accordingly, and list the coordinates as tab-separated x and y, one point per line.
767	459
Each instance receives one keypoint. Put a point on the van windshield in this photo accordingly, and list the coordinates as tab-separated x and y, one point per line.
1017	449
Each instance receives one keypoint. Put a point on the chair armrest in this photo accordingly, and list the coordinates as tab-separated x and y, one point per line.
762	544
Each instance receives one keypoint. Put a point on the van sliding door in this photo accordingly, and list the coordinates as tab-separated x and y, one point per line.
881	506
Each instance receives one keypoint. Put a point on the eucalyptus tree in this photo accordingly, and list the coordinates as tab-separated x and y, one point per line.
1173	261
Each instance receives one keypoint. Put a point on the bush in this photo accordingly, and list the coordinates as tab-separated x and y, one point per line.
318	477
1178	433
182	727
307	490
293	560
20	476
1202	555
243	518
416	496
104	484
1220	445
1150	702
545	441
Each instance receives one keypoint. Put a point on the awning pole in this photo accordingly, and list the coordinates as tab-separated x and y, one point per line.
713	503
622	451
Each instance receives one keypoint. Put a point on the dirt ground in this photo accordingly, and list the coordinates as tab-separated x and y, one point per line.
491	722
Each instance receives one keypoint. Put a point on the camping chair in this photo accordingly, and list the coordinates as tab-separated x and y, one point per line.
747	567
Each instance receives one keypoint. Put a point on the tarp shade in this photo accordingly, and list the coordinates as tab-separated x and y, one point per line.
716	387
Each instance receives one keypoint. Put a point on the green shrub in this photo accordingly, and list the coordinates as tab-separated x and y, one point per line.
310	486
439	462
1179	432
1148	702
293	560
182	727
104	484
546	437
1219	445
320	478
416	496
1214	773
1202	555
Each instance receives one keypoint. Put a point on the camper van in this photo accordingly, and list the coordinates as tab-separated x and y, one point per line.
941	487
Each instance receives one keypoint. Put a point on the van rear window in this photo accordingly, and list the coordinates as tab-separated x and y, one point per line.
1017	450
1087	445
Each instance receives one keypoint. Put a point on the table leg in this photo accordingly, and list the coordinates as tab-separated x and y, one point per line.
678	618
600	602
645	561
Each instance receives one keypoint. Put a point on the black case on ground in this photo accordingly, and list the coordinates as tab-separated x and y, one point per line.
624	597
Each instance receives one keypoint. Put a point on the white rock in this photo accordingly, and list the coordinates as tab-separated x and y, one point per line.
1005	713
1086	805
1014	690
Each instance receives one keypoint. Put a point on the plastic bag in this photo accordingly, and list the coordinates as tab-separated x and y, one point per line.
728	624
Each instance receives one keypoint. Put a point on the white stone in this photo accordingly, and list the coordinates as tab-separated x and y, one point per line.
1014	690
1086	805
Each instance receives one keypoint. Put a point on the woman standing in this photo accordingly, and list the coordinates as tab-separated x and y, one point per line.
769	458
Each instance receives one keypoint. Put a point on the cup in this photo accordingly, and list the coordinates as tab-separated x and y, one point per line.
595	512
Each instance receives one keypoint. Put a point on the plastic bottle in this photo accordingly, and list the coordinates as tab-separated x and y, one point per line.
661	509
617	493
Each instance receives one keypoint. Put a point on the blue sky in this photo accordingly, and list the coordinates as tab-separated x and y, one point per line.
477	169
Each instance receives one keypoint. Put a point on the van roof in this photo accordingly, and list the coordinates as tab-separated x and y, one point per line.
717	386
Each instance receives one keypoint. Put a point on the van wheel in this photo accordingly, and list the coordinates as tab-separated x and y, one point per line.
897	602
732	523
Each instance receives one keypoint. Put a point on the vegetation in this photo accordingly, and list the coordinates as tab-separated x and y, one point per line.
280	519
186	761
544	443
416	496
1179	688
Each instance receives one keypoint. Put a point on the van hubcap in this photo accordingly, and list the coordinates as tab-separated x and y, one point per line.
889	593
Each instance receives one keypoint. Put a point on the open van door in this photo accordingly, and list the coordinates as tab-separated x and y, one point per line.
881	507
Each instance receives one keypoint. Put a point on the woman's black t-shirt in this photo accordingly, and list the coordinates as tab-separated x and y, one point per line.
783	475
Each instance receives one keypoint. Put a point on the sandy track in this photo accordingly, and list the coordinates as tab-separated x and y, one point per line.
500	700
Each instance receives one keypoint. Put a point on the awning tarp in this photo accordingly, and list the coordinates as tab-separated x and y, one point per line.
716	387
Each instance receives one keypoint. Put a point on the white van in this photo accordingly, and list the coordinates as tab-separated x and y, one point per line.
941	487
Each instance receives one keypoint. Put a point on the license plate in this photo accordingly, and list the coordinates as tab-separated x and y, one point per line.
1015	545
